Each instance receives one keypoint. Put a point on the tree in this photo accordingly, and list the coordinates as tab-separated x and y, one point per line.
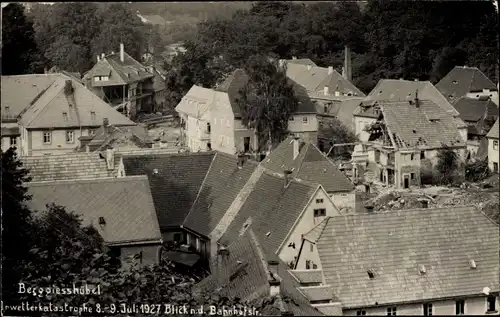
267	101
447	165
19	51
17	227
448	58
333	131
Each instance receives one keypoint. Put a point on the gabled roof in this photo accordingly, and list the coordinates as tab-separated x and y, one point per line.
404	90
494	131
119	73
246	274
125	204
56	108
196	102
462	80
425	126
176	184
393	245
314	79
472	109
33	85
310	165
223	182
271	208
232	85
66	166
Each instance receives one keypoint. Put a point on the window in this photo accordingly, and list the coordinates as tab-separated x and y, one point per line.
97	78
47	137
197	244
65	115
91	132
319	212
319	200
491	303
495	167
188	239
305	119
92	115
495	145
70	136
412	176
311	248
460	307
361	313
422	155
177	237
326	109
391	311
315	267
427	309
411	157
208	127
13	141
291	119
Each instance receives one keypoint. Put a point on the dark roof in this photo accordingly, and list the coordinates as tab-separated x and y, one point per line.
310	165
306	105
426	126
246	274
188	259
395	244
125	204
271	208
472	109
233	84
176	185
462	80
222	184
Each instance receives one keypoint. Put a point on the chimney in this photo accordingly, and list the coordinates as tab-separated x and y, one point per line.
287	175
296	148
330	70
98	58
416	99
325	90
105	124
122	52
369	209
241	160
416	79
110	159
347	74
275	281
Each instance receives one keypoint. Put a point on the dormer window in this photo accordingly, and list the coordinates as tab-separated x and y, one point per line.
371	275
455	82
102	222
422	269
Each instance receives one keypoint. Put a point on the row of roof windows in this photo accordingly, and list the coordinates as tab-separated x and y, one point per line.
422	269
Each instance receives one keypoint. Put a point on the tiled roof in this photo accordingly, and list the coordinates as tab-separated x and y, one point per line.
196	102
317	293
232	85
472	109
176	184
394	245
120	73
222	184
315	233
404	90
246	274
125	204
307	276
310	165
494	131
426	126
314	79
270	208
345	111
306	105
66	166
13	103
462	80
81	108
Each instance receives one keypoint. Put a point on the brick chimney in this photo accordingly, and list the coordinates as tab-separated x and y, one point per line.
122	52
288	176
347	73
296	147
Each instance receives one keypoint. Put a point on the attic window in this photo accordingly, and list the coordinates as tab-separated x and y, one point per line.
6	108
268	234
472	264
422	269
371	275
65	115
414	131
92	115
102	222
450	96
455	82
380	92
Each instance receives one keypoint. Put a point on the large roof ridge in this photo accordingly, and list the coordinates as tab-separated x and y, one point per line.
89	180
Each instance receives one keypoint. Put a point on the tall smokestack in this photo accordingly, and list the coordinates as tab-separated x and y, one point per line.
122	52
347	72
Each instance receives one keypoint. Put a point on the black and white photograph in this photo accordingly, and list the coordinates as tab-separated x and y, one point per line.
253	158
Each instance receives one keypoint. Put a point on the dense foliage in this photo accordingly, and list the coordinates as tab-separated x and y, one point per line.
448	166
